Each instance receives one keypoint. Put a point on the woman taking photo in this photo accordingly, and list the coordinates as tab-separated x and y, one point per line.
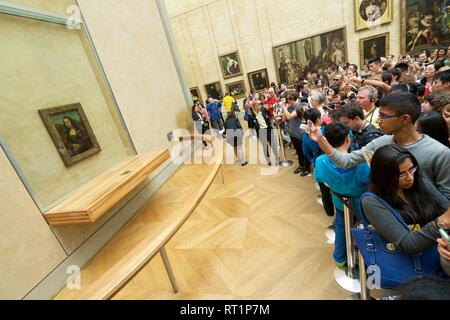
396	184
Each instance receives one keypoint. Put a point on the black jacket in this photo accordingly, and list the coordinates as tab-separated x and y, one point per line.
265	115
363	137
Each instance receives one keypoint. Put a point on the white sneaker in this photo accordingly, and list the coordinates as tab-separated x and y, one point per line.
319	200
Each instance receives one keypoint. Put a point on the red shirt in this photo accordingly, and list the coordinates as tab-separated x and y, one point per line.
271	102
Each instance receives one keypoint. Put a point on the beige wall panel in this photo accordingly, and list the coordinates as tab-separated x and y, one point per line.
182	46
221	27
192	54
133	48
28	248
248	34
201	33
48	63
299	19
263	16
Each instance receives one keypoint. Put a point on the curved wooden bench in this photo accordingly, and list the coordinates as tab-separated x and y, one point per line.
113	280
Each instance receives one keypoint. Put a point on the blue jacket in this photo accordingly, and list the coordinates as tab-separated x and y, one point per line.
310	148
351	182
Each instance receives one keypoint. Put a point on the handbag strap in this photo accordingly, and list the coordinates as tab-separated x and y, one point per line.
394	212
369	243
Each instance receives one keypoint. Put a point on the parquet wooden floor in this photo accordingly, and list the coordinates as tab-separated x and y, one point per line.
254	237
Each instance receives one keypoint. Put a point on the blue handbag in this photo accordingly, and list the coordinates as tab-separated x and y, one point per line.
395	266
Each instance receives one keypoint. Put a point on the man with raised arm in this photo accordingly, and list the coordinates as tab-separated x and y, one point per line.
397	116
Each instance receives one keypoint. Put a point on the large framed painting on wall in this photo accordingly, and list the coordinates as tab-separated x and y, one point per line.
373	47
71	132
230	64
295	58
259	80
236	89
214	90
425	25
372	13
196	96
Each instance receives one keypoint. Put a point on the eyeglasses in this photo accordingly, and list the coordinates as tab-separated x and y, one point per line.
405	175
386	116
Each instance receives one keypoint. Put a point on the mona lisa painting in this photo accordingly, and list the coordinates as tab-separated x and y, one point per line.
71	132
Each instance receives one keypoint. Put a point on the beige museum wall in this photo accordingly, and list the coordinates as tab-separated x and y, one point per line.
28	248
205	29
139	66
134	51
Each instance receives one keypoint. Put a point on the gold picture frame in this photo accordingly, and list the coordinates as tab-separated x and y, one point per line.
71	132
195	93
370	14
214	90
295	58
412	15
236	89
258	80
230	64
372	47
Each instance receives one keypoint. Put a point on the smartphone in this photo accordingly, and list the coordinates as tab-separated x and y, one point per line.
310	125
304	127
445	236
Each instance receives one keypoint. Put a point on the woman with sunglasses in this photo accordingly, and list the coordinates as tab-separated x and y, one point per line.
396	183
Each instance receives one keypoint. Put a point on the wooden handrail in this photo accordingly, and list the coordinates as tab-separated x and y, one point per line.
113	280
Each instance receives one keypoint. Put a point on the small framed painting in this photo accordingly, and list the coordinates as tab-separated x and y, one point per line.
258	80
196	96
71	132
214	90
377	46
236	89
231	65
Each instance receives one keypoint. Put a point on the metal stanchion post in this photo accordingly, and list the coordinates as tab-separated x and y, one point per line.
351	257
348	280
365	294
285	162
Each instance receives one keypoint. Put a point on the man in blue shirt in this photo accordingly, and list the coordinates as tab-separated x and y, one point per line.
348	182
214	108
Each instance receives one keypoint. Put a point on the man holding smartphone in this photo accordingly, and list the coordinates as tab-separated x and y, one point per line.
293	114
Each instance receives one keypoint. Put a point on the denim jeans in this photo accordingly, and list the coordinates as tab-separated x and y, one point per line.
217	124
340	249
